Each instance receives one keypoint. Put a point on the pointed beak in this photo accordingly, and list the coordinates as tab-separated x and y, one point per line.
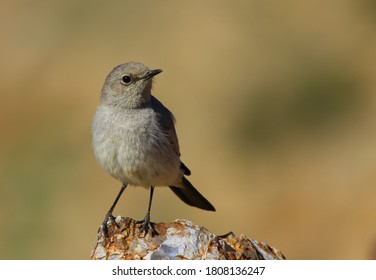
151	73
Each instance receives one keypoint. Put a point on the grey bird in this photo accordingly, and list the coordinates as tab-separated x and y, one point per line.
135	141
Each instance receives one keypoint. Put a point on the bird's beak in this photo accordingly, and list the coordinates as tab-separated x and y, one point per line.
151	73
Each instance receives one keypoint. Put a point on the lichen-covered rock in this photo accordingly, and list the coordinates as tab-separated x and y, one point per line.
177	240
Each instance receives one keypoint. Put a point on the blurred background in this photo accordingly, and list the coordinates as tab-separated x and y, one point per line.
275	105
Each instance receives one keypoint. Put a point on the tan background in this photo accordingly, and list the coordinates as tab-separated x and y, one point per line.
275	102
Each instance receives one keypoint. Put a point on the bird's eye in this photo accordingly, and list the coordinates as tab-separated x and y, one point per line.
126	79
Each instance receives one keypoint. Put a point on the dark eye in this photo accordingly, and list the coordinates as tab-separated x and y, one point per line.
126	79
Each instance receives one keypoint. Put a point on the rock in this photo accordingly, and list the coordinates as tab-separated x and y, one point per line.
177	240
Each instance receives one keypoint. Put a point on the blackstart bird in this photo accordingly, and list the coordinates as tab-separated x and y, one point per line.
135	141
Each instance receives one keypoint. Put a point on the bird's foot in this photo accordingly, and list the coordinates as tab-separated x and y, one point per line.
147	226
103	229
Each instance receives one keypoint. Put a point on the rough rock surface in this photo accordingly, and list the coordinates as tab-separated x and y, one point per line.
177	240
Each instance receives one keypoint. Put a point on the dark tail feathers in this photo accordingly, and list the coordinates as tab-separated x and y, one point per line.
187	193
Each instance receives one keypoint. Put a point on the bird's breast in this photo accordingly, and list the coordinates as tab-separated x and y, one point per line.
134	149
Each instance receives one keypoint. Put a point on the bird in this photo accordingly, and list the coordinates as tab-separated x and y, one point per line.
135	141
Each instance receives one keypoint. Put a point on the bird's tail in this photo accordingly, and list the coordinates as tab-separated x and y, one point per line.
187	193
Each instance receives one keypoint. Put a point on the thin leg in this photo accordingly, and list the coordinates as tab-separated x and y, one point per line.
146	224
109	215
123	186
150	201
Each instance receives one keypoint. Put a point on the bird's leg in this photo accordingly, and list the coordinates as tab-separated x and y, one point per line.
109	215
146	225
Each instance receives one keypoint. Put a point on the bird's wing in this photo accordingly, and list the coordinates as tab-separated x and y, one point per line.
167	122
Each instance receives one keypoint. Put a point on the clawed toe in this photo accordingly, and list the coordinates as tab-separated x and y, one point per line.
105	225
147	226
